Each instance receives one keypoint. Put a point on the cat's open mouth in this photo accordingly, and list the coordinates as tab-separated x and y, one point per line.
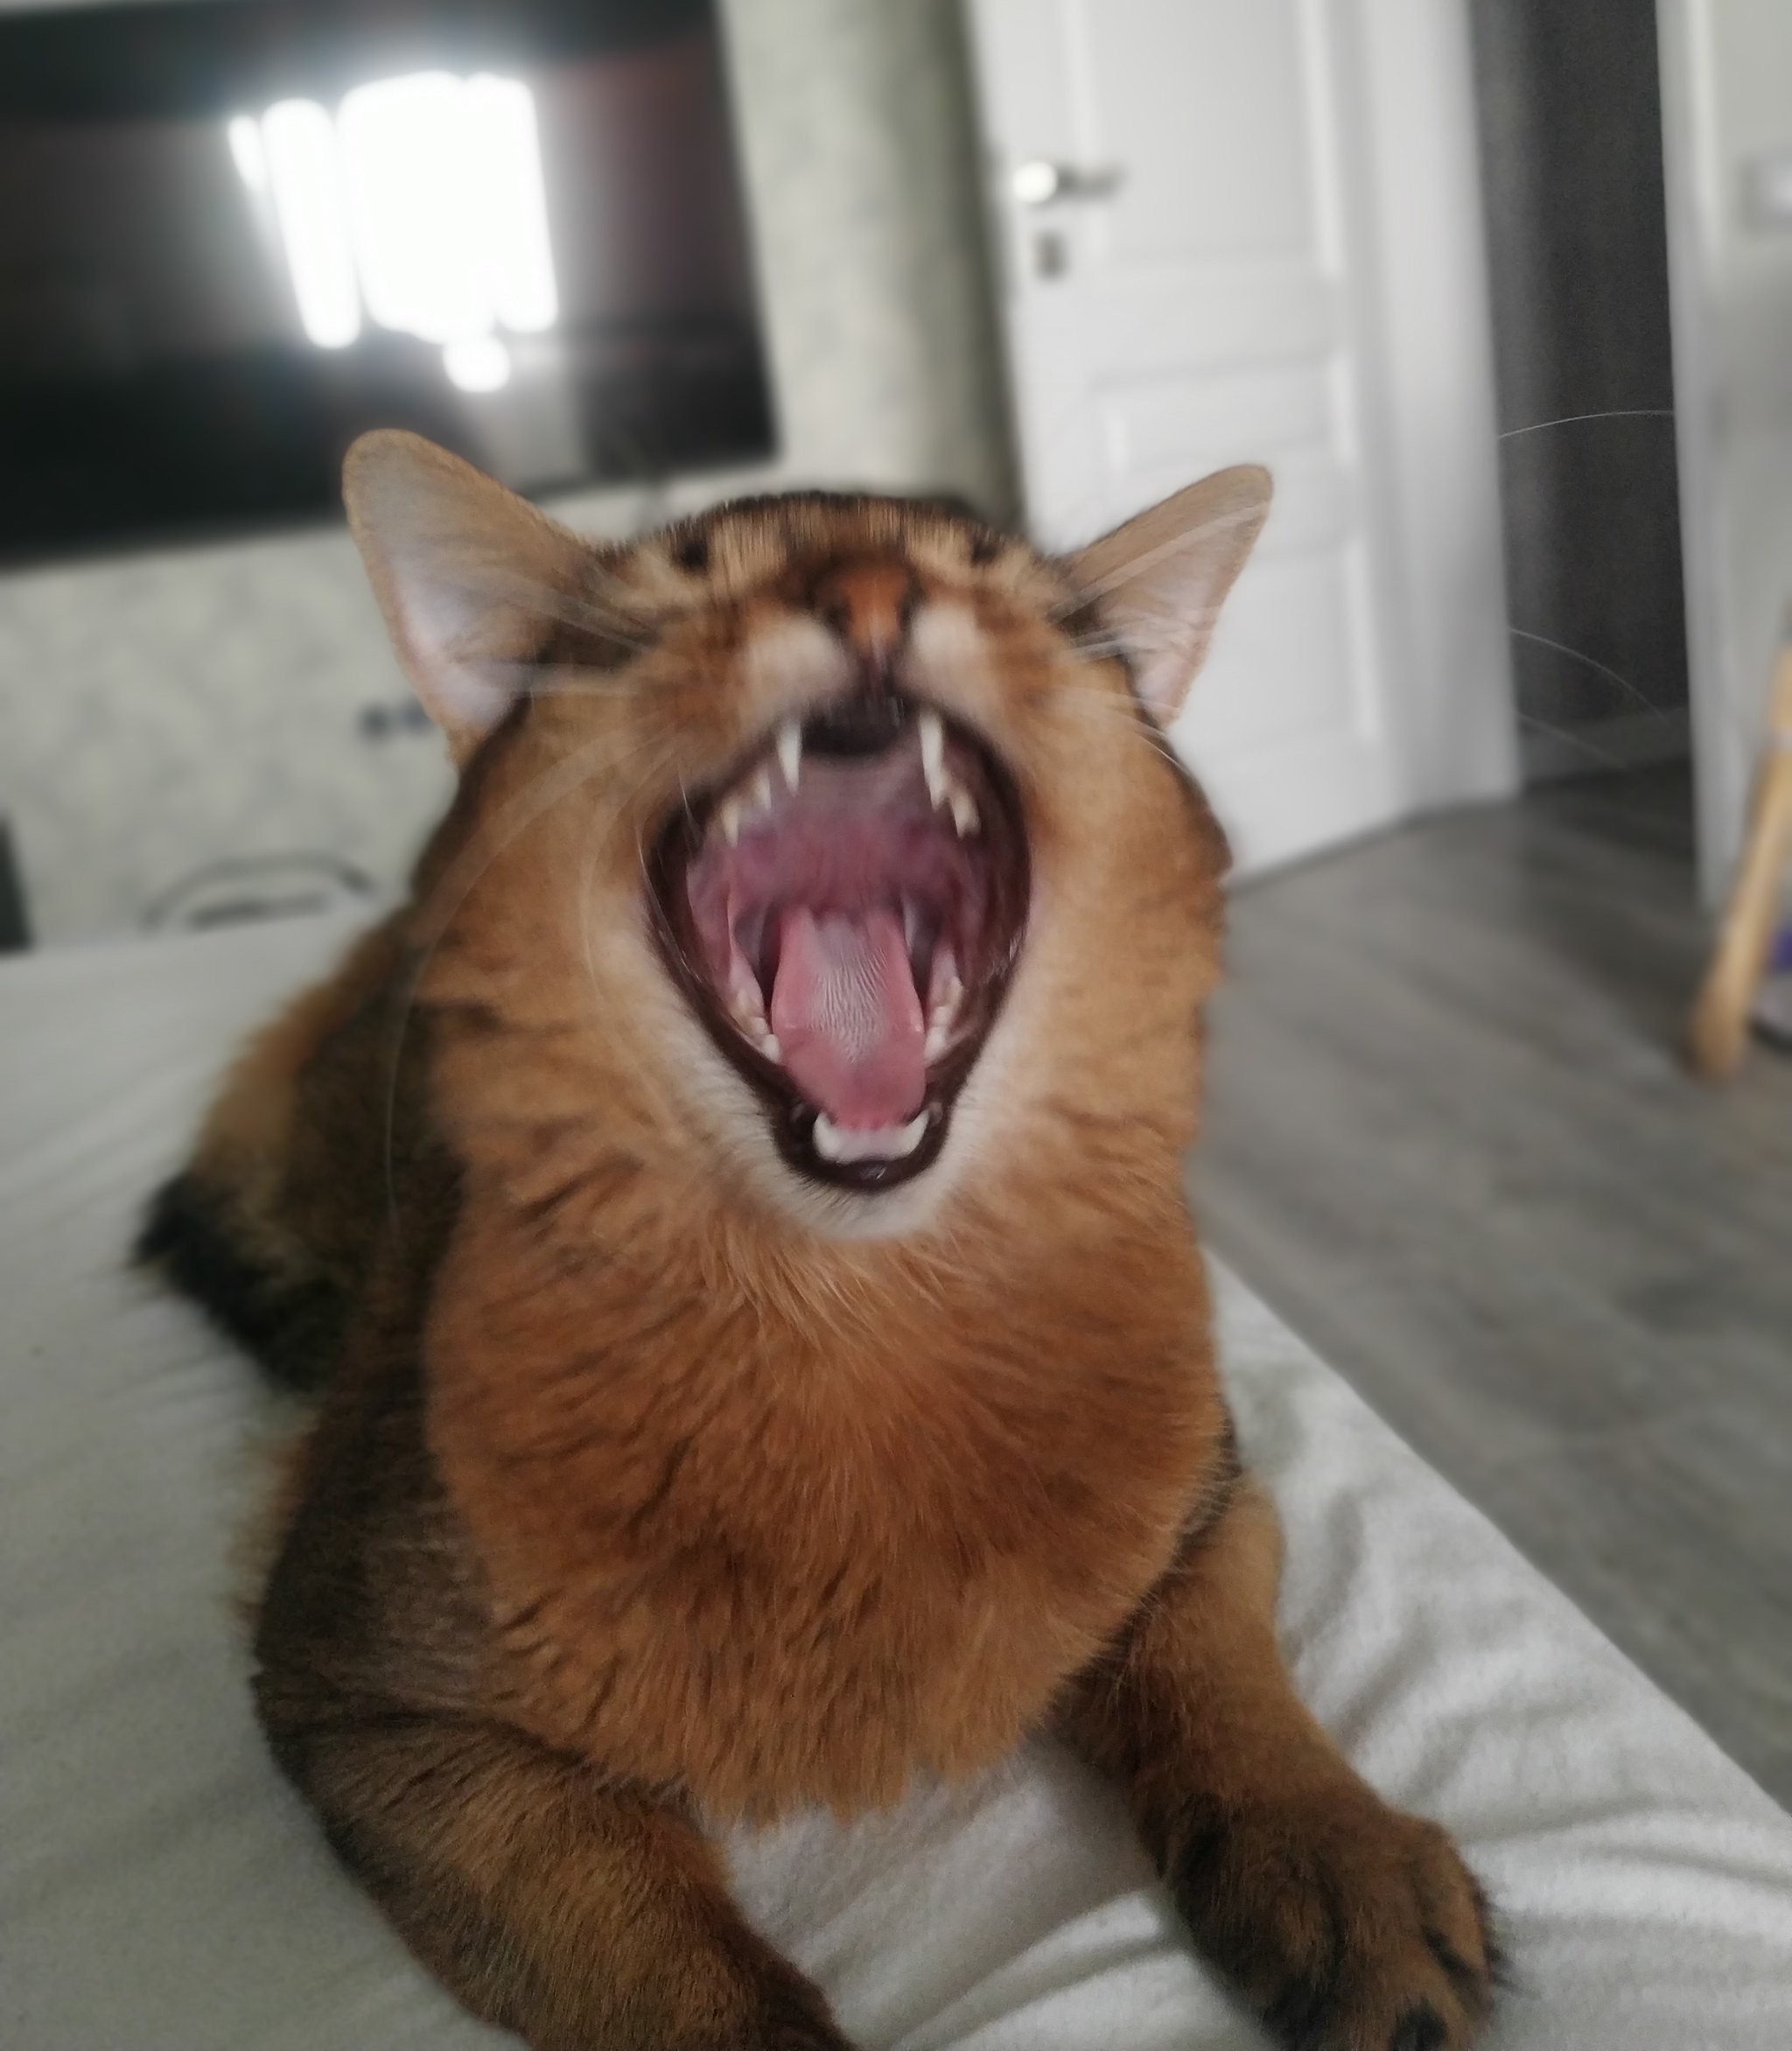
843	916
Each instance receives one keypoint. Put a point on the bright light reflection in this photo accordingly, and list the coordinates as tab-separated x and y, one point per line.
300	142
477	363
246	148
424	200
413	186
515	209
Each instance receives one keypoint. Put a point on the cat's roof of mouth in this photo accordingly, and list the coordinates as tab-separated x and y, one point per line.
845	913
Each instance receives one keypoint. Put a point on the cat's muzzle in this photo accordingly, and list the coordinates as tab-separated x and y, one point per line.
843	914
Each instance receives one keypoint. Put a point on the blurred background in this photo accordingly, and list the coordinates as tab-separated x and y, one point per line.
1501	289
632	255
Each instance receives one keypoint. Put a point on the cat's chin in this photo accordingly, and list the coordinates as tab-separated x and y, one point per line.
843	913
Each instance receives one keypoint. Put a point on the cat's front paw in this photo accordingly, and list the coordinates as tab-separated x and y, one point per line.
1347	1925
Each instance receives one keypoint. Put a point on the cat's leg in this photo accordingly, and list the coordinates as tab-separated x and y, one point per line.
581	1914
1347	1925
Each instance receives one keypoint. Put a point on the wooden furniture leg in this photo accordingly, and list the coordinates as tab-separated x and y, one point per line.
1717	1030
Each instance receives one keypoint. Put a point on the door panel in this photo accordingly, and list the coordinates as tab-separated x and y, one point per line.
1289	622
1193	97
1193	423
1210	306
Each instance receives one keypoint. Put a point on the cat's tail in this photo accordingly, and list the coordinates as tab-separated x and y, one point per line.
266	1296
270	1225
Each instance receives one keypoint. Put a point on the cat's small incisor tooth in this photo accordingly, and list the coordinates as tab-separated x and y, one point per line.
790	752
932	756
889	1143
762	791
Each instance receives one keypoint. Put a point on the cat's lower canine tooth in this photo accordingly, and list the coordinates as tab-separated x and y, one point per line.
932	755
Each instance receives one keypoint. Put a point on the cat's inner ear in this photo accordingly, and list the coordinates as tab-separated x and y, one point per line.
470	577
1158	583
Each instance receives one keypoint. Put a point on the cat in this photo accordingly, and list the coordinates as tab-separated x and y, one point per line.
733	1215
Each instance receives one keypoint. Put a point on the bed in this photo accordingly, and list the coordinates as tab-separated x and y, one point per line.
161	1890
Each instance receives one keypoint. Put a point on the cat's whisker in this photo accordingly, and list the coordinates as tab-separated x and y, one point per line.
436	914
1107	704
622	626
1131	568
1151	630
1575	419
565	679
1593	662
1152	622
1569	738
591	850
1089	700
1099	647
558	781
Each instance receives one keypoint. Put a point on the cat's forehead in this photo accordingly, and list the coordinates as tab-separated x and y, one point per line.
787	544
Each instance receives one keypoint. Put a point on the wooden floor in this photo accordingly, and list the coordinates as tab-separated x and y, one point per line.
1448	1138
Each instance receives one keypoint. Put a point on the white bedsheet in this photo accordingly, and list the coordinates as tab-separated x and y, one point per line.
160	1890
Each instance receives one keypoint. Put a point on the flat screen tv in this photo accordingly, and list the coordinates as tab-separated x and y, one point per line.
233	234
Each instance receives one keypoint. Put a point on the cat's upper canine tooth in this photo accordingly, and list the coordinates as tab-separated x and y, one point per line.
790	752
932	756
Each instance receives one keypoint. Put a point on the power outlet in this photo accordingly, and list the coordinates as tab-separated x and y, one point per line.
392	717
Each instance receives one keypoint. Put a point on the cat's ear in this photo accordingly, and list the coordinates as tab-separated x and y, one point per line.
469	576
1158	583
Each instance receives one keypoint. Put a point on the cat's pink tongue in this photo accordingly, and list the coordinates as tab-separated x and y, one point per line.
848	1018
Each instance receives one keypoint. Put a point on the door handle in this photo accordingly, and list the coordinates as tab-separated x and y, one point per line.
1039	182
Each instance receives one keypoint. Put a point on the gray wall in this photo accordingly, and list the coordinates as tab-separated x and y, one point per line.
159	711
1568	102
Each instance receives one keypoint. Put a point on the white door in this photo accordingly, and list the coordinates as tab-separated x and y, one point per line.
1187	201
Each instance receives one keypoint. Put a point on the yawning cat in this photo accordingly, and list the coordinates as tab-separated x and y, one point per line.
734	1214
